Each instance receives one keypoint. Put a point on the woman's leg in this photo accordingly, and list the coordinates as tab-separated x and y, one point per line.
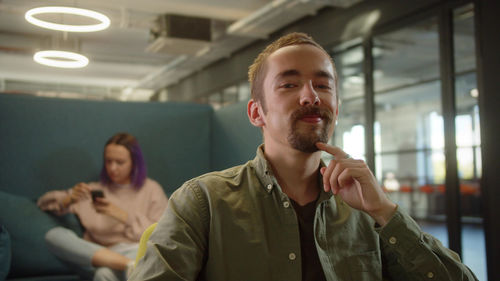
106	257
108	274
85	255
67	246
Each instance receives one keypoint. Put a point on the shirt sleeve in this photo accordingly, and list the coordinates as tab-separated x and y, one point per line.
176	249
410	254
138	221
52	202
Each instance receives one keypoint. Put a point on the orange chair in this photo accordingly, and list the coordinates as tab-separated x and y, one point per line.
406	188
467	189
427	189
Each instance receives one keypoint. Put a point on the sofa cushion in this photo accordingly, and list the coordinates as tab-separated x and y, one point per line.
27	226
5	252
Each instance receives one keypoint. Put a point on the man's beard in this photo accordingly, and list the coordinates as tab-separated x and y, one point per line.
305	140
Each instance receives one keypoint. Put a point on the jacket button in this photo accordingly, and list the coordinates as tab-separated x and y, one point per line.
292	256
286	204
393	240
430	275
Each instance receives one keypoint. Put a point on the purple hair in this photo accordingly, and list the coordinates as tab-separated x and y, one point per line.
138	173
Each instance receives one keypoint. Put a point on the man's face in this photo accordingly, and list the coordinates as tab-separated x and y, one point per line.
300	96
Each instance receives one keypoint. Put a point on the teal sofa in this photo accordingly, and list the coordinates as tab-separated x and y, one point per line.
48	144
28	256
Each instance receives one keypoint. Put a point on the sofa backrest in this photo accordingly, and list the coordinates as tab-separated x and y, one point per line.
48	143
234	139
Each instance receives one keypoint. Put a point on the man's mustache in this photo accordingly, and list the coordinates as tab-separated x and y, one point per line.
300	113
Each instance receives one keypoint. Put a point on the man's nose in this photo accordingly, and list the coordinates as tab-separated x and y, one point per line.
308	95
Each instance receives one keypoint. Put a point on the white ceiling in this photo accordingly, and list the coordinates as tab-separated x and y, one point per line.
120	67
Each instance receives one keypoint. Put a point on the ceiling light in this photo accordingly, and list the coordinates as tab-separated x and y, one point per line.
104	20
474	93
61	59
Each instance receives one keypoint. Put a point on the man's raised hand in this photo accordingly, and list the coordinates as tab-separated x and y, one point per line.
352	180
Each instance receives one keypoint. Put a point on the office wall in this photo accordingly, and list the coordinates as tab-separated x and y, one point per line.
50	143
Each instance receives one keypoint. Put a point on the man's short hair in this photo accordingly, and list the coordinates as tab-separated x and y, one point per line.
256	71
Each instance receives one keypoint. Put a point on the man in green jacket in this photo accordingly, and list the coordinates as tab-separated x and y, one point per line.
285	215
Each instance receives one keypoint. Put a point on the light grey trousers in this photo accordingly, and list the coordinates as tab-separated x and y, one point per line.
78	253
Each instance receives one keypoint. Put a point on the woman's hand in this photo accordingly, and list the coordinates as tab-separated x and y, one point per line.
104	206
79	192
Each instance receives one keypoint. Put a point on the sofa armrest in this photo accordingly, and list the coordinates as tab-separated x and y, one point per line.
27	226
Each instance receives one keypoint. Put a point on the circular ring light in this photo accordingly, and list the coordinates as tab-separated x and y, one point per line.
61	59
104	20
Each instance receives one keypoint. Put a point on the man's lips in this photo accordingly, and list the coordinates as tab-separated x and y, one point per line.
312	115
311	118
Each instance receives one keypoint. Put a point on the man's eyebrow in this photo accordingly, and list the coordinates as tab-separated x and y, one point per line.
324	74
294	72
287	73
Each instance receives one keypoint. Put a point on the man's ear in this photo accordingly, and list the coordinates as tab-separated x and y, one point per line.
255	115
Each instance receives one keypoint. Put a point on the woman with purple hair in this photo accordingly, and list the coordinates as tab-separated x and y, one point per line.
114	212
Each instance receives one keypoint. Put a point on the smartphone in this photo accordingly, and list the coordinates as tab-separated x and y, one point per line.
96	193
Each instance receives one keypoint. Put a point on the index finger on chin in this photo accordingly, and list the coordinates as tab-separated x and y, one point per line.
337	152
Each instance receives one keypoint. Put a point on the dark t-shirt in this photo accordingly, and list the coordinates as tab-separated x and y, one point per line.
311	266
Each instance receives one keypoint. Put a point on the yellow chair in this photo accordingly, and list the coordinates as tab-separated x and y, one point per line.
143	242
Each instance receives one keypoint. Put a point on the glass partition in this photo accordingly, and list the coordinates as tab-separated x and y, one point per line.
409	135
350	129
468	140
